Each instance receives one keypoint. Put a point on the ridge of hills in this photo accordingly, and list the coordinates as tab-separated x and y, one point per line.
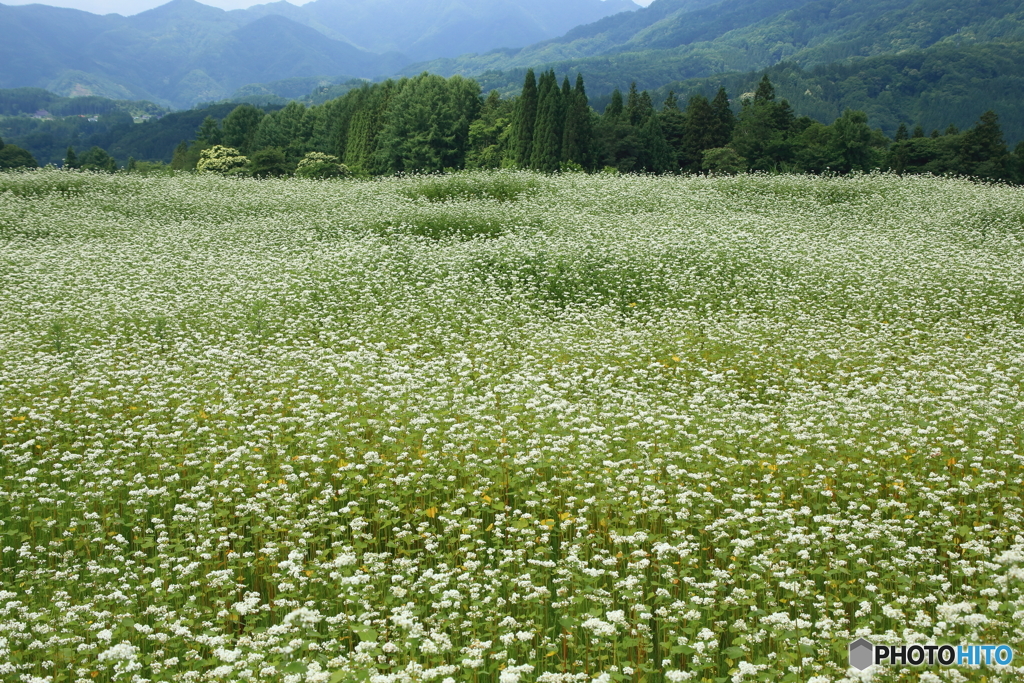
675	40
427	29
184	52
177	54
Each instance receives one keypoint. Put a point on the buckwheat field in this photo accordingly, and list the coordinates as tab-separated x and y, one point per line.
507	428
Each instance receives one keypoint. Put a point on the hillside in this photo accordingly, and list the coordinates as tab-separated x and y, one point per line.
184	52
931	88
113	130
177	54
680	39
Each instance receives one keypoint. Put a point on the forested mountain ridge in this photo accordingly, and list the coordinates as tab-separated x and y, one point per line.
178	54
674	39
184	52
932	88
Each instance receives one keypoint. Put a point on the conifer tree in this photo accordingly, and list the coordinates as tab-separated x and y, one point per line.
488	134
578	137
239	127
618	141
765	91
673	125
700	132
902	133
546	154
655	153
526	118
209	132
983	150
634	110
359	150
614	108
764	130
645	108
726	119
71	159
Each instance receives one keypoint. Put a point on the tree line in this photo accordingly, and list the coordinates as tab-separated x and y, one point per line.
429	123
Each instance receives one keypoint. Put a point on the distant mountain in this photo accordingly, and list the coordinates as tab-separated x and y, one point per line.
427	29
679	39
185	52
178	54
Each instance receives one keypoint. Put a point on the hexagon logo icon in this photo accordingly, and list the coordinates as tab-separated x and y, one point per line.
862	654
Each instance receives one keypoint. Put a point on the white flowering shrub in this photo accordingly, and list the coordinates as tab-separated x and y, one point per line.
675	428
320	166
222	160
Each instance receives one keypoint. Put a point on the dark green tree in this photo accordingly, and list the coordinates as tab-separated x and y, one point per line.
925	155
361	139
673	126
370	115
488	134
12	156
70	158
269	162
635	110
764	130
617	141
615	107
854	144
655	155
902	133
578	136
186	155
700	133
239	127
97	159
726	118
427	125
765	91
918	131
289	129
546	154
1017	164
209	132
983	151
847	145
178	159
525	121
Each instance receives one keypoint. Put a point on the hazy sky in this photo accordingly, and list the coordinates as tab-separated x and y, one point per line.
127	7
